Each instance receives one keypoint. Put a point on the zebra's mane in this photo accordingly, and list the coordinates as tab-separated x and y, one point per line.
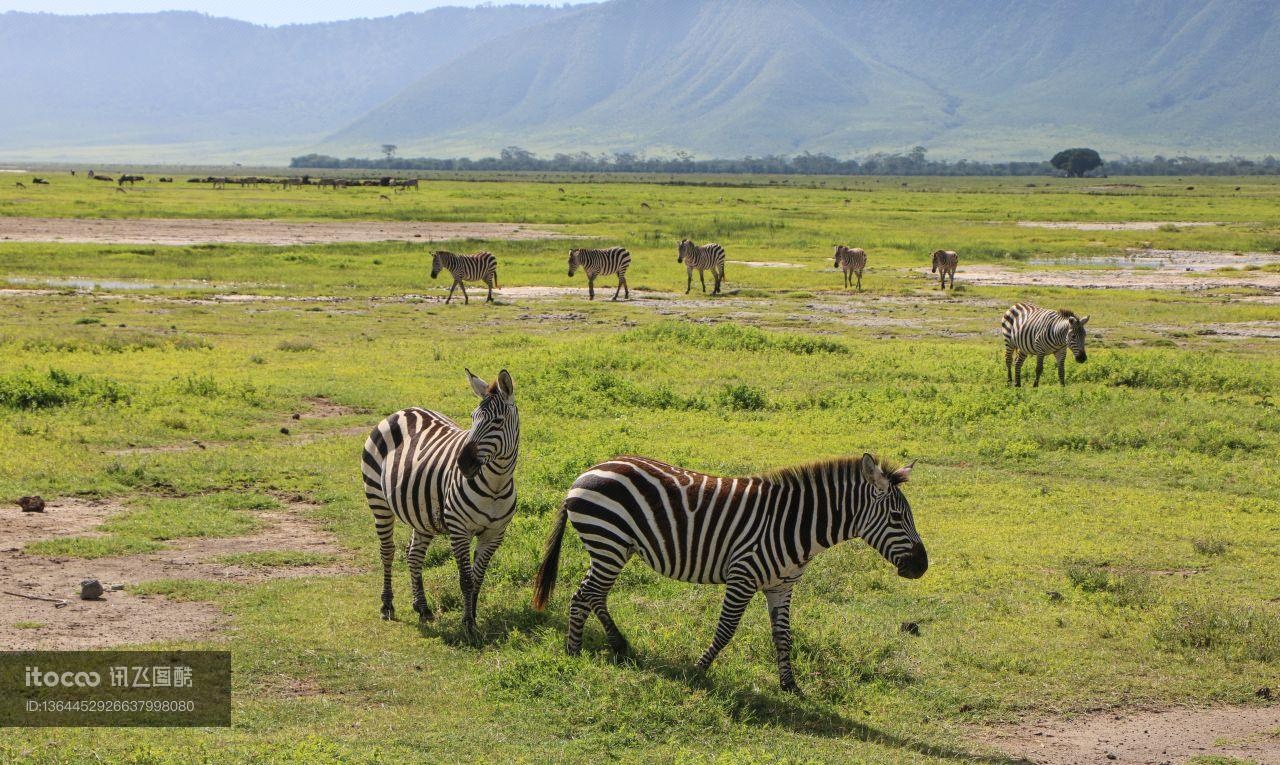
822	467
1067	314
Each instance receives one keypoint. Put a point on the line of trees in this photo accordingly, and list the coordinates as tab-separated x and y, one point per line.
914	162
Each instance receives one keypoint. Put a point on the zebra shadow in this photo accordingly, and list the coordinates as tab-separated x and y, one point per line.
496	624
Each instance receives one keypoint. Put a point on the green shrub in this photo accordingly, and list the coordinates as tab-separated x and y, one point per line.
28	389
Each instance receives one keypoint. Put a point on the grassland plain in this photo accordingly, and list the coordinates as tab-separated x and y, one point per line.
1111	544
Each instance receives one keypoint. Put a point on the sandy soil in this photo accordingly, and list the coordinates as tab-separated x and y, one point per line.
1148	225
1100	278
186	231
763	264
119	617
1147	738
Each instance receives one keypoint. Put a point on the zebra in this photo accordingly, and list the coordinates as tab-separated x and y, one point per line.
480	267
708	257
421	468
945	262
851	260
1030	330
614	260
751	533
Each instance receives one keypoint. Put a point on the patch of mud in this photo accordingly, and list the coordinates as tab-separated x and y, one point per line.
1130	279
1169	260
763	264
1147	738
120	617
1264	329
188	231
1146	225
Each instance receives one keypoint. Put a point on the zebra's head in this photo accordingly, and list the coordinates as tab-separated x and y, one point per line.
886	522
573	262
685	247
1075	335
495	425
436	264
937	260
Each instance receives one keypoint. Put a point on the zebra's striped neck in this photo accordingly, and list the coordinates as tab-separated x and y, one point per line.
814	506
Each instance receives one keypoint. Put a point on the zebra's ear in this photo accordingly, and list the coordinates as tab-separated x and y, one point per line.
872	474
506	384
903	473
1084	321
478	386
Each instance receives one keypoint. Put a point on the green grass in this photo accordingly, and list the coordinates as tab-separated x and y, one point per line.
1105	544
276	559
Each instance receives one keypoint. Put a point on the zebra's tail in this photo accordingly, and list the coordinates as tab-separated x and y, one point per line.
545	583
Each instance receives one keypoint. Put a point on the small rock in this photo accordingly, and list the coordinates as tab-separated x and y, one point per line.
33	504
911	628
284	431
297	416
197	443
116	587
1111	755
1265	693
90	589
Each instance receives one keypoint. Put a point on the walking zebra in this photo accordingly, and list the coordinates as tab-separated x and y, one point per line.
480	267
945	262
421	468
614	260
750	534
851	260
1030	330
708	257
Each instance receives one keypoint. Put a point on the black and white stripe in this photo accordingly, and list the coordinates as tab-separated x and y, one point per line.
850	260
749	534
421	468
1030	330
614	260
707	257
944	263
480	267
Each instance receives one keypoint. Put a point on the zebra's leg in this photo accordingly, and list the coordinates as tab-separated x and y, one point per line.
460	542
591	287
591	597
414	553
466	299
490	284
1008	363
719	277
702	277
1017	369
859	273
621	281
1061	357
452	287
1039	370
689	284
737	595
384	523
485	548
779	600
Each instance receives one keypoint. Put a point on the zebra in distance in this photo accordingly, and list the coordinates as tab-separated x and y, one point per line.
614	260
480	267
707	257
945	262
850	260
425	471
749	534
1030	330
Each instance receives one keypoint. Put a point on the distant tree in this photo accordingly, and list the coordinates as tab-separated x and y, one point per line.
389	150
1076	162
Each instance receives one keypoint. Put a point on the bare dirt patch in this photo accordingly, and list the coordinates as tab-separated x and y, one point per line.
1147	738
763	264
1129	279
1247	329
120	617
187	231
1142	225
61	517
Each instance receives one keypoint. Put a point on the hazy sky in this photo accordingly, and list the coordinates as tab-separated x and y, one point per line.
257	11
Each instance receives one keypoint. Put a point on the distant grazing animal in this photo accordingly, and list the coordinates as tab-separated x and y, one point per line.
120	190
40	181
106	178
412	183
20	184
166	180
707	257
749	534
421	468
850	260
129	179
645	205
480	267
561	190
384	197
945	262
73	172
614	260
1029	330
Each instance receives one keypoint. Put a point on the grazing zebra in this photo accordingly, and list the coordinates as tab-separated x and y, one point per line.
480	267
614	260
851	260
421	468
707	257
945	262
750	534
1030	330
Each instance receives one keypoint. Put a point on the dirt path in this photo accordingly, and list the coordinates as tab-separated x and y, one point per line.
1142	225
187	231
1147	738
120	617
1106	278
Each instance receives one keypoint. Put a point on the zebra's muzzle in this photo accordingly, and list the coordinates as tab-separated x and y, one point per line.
1081	357
469	461
914	564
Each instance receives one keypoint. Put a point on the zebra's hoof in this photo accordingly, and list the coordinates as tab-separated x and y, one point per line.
424	612
790	687
620	647
388	614
572	650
